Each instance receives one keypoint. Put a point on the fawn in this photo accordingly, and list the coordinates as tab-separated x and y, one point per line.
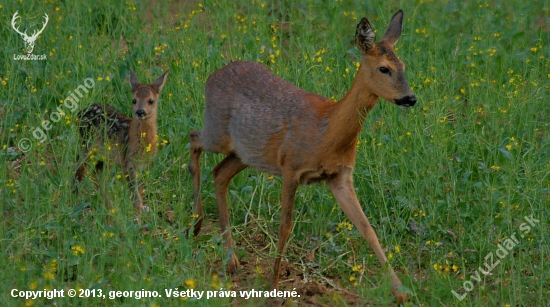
129	141
257	119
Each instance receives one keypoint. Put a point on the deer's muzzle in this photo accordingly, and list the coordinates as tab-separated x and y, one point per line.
140	113
406	102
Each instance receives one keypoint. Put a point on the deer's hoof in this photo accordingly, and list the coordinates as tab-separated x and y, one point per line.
143	208
400	297
232	266
197	227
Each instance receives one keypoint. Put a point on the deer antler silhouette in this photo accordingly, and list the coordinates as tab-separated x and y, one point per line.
29	40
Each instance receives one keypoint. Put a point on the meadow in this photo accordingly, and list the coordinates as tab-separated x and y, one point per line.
457	187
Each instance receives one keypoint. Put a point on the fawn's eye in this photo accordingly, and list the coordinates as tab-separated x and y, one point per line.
384	70
151	101
134	101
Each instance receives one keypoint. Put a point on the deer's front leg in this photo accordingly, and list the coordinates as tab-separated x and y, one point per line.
133	184
343	191
195	170
285	226
223	173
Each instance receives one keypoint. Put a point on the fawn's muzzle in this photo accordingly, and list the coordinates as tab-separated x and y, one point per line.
140	113
406	102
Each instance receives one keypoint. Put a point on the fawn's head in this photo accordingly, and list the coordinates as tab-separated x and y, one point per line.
145	96
383	71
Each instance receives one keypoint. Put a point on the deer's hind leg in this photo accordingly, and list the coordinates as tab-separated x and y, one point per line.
80	165
101	187
79	175
82	160
88	145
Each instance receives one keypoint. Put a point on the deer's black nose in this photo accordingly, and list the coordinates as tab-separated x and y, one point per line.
140	113
407	101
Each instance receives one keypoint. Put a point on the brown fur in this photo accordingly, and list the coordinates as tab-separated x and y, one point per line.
132	141
258	119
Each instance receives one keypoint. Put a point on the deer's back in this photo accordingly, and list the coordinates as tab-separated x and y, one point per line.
104	120
261	117
101	125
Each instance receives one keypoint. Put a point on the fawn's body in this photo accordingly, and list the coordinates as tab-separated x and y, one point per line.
258	119
127	141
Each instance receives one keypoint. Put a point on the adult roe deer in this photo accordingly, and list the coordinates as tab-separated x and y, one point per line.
258	119
126	139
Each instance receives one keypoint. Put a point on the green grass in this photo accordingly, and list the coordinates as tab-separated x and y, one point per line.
443	183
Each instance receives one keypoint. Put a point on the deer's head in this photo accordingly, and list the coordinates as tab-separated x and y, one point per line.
28	39
145	96
378	61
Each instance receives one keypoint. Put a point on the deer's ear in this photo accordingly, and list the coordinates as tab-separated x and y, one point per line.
364	36
394	29
134	81
159	83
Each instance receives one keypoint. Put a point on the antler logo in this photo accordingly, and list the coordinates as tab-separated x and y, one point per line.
29	40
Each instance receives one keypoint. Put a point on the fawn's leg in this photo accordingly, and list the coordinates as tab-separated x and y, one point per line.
130	169
81	159
223	173
195	170
344	193
285	226
101	187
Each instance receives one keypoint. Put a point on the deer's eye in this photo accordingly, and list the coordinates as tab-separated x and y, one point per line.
151	101
384	70
134	101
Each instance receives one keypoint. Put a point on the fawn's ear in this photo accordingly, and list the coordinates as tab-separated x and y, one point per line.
394	29
159	83
134	81
364	36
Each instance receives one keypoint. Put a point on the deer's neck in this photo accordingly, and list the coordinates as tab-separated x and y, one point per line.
145	132
349	114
